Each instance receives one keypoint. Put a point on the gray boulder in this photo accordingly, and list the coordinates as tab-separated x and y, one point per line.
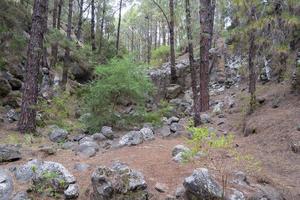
99	137
6	185
35	170
58	135
9	153
173	91
205	118
147	134
88	148
118	183
173	120
200	185
132	138
72	192
295	146
178	149
107	132
13	115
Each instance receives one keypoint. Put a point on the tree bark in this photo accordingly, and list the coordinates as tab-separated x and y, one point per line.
93	41
27	122
67	58
60	5
102	26
79	25
172	43
251	58
206	24
54	47
197	119
119	27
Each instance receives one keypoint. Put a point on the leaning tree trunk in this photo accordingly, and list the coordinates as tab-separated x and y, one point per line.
251	58
79	25
206	15
54	46
67	59
119	27
27	122
172	42
197	119
93	40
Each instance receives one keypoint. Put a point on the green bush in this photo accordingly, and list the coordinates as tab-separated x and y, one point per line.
160	55
119	80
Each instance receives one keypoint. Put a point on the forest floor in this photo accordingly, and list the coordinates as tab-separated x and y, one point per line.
265	156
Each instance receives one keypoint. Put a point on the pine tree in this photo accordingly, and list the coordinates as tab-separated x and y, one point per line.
27	122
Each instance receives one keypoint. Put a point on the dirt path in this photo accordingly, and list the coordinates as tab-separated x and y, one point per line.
264	156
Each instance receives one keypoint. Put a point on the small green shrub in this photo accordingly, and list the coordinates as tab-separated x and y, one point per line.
205	140
121	79
49	184
160	55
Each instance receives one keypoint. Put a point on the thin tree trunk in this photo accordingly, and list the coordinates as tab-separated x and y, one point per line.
60	5
78	32
251	58
172	42
119	27
149	41
93	41
206	20
197	119
54	47
67	58
102	26
164	41
27	122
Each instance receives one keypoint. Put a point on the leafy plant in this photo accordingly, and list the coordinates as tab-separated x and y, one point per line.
160	55
204	140
120	80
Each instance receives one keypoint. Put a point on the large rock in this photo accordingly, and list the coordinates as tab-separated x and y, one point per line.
6	185
107	132
9	153
173	91
88	148
132	138
21	196
178	149
118	183
46	173
200	185
147	134
58	135
5	87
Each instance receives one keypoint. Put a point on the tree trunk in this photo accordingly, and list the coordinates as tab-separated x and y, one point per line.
93	41
119	27
206	24
60	5
149	41
172	42
27	122
251	58
67	58
102	26
164	41
197	119
78	32
54	47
